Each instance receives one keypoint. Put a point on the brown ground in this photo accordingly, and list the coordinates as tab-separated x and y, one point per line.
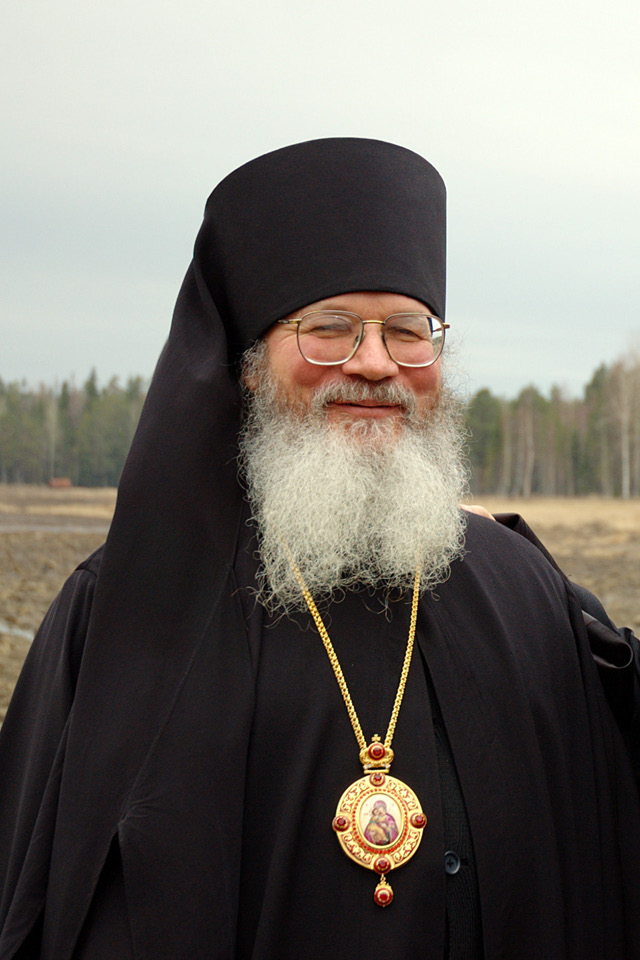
45	533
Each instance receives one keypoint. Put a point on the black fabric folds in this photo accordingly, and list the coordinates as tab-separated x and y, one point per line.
616	652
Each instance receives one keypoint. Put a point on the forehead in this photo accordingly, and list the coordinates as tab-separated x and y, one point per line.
366	303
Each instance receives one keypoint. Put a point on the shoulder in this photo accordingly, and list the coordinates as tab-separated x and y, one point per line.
507	546
75	598
59	642
501	570
91	565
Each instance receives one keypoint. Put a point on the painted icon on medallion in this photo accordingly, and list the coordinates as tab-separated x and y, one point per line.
379	819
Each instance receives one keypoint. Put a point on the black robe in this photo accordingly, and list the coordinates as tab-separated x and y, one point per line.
223	827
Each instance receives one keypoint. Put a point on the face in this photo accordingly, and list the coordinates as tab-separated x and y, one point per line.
298	379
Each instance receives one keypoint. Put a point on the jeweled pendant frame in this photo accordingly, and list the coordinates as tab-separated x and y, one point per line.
348	822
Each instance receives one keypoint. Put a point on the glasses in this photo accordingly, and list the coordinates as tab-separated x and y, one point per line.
327	337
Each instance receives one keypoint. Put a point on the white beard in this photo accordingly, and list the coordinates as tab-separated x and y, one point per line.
355	504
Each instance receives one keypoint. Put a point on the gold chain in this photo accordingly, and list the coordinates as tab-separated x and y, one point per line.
337	669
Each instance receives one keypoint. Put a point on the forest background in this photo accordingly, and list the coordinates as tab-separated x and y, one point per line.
551	445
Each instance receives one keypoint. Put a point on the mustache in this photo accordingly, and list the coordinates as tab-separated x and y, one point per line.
384	393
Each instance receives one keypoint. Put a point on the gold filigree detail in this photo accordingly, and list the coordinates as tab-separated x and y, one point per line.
353	841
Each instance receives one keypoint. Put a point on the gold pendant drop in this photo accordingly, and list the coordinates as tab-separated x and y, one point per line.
379	820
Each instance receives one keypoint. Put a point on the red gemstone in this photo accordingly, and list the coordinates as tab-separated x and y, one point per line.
382	865
383	896
377	779
419	820
376	751
340	823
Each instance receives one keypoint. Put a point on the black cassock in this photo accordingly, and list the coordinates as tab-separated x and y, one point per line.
220	824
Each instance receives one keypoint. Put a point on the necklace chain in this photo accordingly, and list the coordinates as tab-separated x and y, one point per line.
337	669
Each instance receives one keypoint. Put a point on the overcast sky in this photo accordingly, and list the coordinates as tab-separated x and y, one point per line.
121	116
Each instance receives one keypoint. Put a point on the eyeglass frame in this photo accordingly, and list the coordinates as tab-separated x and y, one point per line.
360	337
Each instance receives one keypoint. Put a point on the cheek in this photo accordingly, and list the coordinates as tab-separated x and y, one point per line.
294	375
424	381
307	377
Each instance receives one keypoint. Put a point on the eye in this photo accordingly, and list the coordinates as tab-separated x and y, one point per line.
327	325
408	329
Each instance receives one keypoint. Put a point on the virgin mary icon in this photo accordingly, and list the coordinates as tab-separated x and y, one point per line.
382	828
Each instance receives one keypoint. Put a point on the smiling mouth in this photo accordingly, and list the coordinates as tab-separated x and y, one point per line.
366	408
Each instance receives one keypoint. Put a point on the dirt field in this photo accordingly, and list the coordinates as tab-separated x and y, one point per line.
45	533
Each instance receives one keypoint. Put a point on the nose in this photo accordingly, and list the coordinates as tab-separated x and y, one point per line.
371	360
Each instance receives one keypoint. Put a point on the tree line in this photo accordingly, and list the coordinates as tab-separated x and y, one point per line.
82	433
534	444
558	446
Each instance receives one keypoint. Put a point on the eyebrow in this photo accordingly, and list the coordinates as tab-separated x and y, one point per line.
328	305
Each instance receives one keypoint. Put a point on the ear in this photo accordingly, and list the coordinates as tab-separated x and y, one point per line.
249	381
252	365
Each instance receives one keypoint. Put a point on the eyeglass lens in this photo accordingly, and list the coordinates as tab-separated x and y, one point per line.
412	339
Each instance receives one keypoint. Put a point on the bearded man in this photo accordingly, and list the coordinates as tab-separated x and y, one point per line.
293	627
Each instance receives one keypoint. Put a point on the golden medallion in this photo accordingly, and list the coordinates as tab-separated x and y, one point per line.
379	821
